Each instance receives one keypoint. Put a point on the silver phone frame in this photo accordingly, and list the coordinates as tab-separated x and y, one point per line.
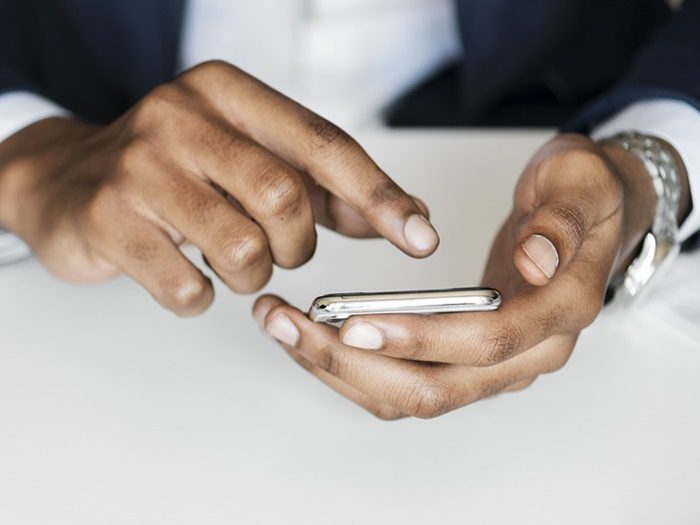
338	307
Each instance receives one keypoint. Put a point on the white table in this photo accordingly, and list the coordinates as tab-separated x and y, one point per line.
115	412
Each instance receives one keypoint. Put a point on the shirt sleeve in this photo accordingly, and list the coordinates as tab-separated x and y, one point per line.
676	122
19	109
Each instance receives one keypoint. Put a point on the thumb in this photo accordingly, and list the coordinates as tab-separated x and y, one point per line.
548	240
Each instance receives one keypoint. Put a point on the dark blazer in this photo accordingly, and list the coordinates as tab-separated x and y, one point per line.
552	62
559	62
577	61
93	57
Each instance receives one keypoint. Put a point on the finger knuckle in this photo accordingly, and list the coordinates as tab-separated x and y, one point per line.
208	70
493	386
385	192
521	385
140	251
501	344
429	399
184	292
417	344
385	413
557	360
327	359
133	159
281	192
302	253
246	252
570	221
328	138
550	321
528	383
165	95
160	103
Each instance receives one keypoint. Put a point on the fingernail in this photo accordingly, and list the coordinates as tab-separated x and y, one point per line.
282	329
543	253
259	315
420	234
364	335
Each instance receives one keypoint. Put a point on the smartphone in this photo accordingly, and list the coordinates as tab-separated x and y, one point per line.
336	308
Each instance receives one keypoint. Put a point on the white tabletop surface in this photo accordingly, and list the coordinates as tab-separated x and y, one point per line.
115	412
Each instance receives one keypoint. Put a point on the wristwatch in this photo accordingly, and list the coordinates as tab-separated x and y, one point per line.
661	244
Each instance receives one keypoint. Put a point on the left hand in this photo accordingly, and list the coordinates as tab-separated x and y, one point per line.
579	212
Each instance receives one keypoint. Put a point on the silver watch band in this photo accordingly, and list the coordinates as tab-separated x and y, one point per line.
661	245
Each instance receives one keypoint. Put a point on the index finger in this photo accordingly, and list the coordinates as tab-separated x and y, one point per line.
324	151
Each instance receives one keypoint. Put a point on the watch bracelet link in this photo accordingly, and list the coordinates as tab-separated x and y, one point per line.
661	244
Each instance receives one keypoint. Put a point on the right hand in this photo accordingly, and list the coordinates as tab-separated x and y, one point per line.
216	158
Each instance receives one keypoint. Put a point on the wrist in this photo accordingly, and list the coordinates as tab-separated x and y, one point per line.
29	156
639	201
640	198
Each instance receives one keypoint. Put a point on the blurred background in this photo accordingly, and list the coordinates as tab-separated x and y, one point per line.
345	58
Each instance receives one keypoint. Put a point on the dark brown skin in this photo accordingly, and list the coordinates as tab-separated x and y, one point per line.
593	203
216	158
223	161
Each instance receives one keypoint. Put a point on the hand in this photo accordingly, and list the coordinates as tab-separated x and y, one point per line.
216	158
579	211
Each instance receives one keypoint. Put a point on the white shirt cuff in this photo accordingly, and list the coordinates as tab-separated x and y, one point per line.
676	122
19	109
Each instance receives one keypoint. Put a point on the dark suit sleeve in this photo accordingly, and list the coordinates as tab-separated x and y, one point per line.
667	67
94	58
13	76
